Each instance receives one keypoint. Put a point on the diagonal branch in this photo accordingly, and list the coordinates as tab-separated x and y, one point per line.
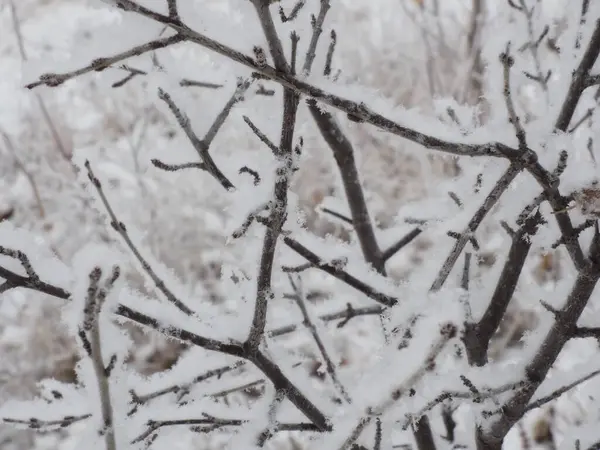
501	186
300	300
477	335
579	81
343	153
403	242
337	272
359	110
100	64
120	228
536	371
554	395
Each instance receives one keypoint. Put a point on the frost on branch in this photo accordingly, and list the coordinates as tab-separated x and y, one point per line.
307	339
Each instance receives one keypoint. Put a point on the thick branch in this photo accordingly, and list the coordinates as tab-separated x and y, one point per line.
478	335
300	300
537	370
343	152
579	81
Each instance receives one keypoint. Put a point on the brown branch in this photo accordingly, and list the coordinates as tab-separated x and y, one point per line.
300	300
100	64
579	81
343	153
554	395
340	274
558	335
477	335
359	110
202	146
120	228
501	186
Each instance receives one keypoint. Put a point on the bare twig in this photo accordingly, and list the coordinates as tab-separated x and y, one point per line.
119	227
317	26
263	137
37	424
554	395
403	242
100	64
330	367
507	62
202	145
339	273
501	186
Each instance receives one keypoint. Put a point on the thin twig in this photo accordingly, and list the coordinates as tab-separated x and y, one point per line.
119	227
554	395
330	367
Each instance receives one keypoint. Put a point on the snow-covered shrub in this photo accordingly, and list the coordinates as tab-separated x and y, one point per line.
428	358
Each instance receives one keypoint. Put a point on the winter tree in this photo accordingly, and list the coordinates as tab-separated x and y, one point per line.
306	339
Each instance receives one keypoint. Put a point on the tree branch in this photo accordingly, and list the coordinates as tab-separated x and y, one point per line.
536	371
477	335
579	81
202	146
359	110
330	367
340	274
120	228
